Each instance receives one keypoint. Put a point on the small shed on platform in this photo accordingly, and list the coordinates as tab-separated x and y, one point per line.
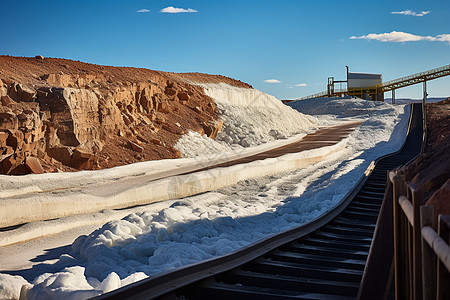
362	81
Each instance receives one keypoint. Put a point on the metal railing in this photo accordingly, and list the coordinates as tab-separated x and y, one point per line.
386	86
421	255
321	94
427	75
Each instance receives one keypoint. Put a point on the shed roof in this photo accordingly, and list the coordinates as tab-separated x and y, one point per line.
363	76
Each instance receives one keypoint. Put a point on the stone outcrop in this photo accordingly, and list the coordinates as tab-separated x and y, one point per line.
22	134
64	115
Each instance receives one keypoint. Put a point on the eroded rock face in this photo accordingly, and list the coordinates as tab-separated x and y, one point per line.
21	134
74	113
68	115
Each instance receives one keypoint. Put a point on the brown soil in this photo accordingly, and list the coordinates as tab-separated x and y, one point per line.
30	70
201	78
140	114
430	172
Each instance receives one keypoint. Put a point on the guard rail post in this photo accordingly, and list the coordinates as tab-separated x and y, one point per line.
443	276
408	229
428	256
400	265
417	199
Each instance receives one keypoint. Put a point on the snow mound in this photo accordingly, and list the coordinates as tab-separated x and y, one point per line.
71	284
10	286
250	118
341	107
180	232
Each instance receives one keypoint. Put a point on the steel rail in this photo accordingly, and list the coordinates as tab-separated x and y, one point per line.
358	203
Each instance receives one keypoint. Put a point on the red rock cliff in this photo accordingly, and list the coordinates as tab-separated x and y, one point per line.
69	115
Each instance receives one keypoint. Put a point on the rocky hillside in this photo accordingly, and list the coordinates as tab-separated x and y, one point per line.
62	115
430	172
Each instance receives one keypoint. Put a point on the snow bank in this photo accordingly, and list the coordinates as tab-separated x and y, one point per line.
250	117
10	286
44	206
376	115
71	284
192	229
343	107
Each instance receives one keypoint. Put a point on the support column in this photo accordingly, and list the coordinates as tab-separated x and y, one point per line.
424	100
424	114
393	96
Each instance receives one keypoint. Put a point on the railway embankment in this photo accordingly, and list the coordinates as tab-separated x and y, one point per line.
430	172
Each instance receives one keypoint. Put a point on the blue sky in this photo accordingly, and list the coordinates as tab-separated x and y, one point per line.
298	43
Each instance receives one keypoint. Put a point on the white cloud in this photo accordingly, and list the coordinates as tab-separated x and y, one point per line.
176	10
144	10
296	85
272	81
443	38
411	13
401	37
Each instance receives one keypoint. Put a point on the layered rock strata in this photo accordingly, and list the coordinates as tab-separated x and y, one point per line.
67	115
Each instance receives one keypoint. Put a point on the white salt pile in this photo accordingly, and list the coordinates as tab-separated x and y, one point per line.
176	233
250	117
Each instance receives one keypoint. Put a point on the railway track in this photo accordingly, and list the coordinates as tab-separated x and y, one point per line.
324	259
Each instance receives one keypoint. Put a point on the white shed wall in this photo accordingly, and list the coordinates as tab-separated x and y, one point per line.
362	83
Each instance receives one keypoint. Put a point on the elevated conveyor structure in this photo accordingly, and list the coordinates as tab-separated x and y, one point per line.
385	86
